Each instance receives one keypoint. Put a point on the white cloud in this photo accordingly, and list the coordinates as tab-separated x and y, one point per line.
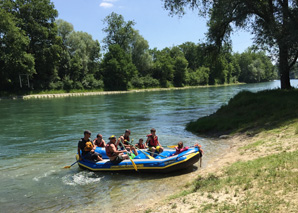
106	5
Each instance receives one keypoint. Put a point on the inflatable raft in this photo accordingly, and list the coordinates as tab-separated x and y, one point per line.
162	163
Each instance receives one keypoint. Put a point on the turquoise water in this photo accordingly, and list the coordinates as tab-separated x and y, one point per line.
39	138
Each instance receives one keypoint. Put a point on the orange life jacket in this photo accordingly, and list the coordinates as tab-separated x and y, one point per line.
153	141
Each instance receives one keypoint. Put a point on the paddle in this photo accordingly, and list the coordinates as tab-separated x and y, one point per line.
148	156
157	154
133	163
67	167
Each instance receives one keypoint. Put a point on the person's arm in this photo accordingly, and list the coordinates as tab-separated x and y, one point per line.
104	143
79	153
147	141
113	147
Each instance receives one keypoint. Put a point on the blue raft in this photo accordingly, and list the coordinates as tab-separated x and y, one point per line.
162	163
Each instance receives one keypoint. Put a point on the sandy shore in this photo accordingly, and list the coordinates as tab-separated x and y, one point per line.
273	140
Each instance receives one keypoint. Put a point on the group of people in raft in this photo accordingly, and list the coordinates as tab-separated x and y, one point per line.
86	147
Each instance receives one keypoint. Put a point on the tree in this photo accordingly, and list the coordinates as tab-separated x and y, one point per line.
273	22
37	19
14	60
118	31
140	54
79	61
117	68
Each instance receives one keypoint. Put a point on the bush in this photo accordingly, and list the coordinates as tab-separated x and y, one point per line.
137	82
56	86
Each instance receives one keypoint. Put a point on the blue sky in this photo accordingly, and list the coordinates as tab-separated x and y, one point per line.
152	21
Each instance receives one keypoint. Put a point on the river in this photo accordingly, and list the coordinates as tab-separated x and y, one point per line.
39	137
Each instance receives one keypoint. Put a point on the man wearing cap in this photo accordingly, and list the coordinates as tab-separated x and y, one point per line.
88	149
115	155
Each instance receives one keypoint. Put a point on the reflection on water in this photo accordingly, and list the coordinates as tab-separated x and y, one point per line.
39	138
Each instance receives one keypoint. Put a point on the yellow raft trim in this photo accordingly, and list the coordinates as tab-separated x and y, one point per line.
140	166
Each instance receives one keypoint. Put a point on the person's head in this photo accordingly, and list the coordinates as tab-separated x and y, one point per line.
127	132
153	131
112	139
99	136
87	134
180	144
141	140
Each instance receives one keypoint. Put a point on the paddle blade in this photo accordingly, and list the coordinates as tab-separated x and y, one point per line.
66	167
133	164
172	146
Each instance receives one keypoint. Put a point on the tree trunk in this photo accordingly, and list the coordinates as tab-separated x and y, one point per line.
284	68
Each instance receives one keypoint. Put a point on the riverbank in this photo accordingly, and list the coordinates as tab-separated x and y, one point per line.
53	94
257	173
259	170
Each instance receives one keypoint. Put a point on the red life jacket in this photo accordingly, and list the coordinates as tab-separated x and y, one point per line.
108	150
153	141
100	144
141	146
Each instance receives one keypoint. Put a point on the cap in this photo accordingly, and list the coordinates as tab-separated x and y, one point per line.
112	137
87	132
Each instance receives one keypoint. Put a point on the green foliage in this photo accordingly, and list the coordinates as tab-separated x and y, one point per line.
118	68
249	110
118	31
54	56
14	59
273	24
144	82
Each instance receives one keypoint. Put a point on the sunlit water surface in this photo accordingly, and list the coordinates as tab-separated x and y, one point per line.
39	138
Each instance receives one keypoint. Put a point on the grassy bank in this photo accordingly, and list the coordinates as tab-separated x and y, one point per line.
259	172
250	111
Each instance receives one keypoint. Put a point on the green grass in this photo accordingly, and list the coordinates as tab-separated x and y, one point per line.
250	111
253	145
255	183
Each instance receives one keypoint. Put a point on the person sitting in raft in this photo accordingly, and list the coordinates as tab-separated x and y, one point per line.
180	148
124	138
153	143
115	156
141	145
86	146
98	141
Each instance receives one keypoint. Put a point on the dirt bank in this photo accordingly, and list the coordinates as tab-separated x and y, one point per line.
243	148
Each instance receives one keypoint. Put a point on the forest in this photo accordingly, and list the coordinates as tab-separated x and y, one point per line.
39	53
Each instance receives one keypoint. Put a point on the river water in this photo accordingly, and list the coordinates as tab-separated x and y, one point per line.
39	137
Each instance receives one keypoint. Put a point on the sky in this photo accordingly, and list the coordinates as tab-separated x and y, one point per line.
151	20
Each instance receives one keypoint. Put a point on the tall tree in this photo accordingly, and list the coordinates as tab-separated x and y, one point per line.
118	31
273	22
117	68
14	59
140	54
37	19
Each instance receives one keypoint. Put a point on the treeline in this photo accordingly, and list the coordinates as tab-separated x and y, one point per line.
38	52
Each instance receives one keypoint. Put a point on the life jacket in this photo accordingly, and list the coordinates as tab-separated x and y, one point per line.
100	144
153	141
88	146
126	138
108	150
141	146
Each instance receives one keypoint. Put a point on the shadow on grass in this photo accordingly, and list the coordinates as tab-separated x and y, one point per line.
249	111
